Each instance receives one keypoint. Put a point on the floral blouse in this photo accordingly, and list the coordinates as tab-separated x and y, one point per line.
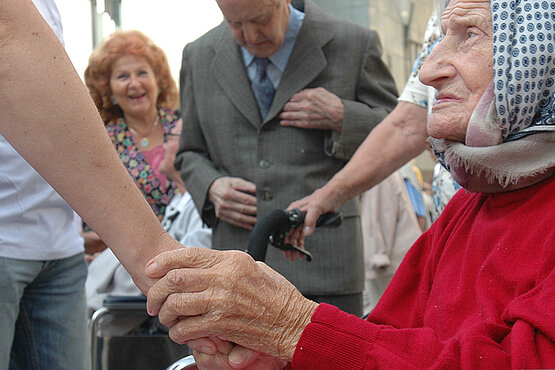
140	170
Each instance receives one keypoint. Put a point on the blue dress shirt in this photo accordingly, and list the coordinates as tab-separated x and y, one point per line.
280	58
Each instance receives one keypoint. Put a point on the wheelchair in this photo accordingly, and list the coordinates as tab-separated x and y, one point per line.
143	343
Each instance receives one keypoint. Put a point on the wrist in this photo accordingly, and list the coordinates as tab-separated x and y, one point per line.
303	312
161	242
339	117
335	192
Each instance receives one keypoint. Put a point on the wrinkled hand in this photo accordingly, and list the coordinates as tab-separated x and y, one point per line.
235	201
314	109
227	295
314	206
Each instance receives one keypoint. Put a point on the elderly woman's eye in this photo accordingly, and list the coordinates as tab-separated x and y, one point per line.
470	34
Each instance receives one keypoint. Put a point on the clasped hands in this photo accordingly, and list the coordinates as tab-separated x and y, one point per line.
234	312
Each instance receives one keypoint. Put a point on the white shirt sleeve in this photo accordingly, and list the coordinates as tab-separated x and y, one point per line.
182	221
49	11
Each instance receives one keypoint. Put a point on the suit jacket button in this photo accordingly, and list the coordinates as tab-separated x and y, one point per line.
267	194
264	163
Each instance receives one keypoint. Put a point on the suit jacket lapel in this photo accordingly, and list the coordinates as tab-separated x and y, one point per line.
307	60
229	71
305	63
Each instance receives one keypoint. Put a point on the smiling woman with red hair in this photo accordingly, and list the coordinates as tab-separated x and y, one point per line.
115	46
129	79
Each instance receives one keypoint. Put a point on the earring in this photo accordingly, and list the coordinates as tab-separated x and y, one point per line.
113	100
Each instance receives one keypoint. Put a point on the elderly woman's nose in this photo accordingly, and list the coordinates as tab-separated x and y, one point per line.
438	67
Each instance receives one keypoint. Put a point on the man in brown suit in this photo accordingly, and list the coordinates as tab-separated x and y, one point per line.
240	158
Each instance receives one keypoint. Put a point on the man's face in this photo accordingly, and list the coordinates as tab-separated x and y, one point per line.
460	67
257	25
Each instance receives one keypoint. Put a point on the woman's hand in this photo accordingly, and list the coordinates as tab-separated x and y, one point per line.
227	295
321	201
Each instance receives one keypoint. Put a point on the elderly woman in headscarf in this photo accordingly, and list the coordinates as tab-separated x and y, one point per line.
477	290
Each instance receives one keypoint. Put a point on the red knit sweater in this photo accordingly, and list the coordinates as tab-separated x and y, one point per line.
476	291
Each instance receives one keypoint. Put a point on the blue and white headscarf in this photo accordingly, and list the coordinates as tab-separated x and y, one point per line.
510	140
524	65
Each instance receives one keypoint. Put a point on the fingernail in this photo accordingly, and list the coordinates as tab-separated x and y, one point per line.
307	230
237	358
151	267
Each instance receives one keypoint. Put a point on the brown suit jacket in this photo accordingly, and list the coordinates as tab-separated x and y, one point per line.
223	135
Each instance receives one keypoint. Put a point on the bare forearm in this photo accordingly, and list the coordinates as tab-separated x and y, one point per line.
398	138
49	118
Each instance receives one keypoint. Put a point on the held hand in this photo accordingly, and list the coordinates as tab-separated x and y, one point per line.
234	200
229	356
226	294
314	109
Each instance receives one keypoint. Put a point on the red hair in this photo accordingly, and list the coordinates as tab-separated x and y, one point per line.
99	71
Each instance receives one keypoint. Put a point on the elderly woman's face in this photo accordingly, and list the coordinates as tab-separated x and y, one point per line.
460	67
134	85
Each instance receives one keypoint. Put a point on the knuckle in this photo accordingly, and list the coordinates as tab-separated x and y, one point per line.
238	256
175	303
193	253
226	193
179	332
175	277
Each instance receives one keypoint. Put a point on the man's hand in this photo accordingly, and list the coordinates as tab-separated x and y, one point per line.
314	109
235	201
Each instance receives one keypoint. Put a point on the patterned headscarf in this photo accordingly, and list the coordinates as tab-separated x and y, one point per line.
524	66
510	138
